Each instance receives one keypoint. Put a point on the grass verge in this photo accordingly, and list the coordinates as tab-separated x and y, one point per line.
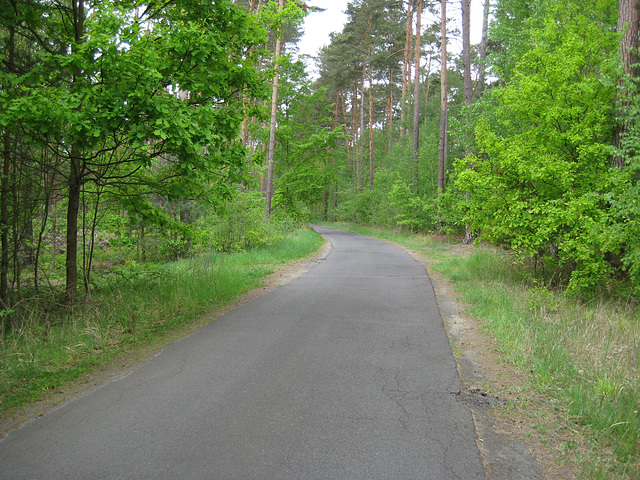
583	356
50	346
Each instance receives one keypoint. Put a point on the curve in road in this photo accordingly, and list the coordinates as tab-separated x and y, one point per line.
344	373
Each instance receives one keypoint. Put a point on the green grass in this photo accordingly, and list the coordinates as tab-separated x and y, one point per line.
582	355
138	306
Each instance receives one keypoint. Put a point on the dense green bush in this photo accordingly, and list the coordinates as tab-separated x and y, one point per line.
540	181
413	212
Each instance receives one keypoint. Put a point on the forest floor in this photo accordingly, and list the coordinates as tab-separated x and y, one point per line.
507	436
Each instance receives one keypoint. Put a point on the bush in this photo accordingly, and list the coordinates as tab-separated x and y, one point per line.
413	212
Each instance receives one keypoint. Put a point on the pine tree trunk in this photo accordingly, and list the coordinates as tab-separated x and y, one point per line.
416	93
466	52
390	114
406	73
443	141
483	45
354	132
272	123
359	147
370	120
468	92
347	133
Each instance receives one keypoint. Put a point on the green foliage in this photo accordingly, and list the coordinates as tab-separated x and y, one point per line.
239	225
414	213
540	180
449	207
624	231
307	144
116	101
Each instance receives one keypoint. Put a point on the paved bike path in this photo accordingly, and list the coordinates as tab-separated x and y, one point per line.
344	373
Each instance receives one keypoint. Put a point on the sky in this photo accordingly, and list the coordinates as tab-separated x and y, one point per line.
318	26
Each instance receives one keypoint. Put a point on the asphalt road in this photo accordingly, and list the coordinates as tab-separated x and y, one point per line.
344	373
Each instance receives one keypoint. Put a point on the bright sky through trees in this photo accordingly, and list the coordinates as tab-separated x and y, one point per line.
319	25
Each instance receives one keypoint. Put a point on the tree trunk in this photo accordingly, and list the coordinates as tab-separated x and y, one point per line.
4	195
354	131
4	222
343	100
406	73
627	23
416	94
360	130
73	210
428	82
75	179
370	120
443	147
468	92
483	45
361	123
466	52
272	124
390	114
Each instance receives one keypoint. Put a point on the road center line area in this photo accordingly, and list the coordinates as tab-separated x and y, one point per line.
344	373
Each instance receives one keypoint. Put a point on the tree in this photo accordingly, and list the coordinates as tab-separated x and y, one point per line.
628	25
483	45
416	92
286	17
541	180
104	96
406	76
443	143
273	116
468	92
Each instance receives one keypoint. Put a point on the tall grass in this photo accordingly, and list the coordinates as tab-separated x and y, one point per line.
584	354
50	344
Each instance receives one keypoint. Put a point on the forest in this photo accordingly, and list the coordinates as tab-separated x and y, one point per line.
526	141
144	132
159	158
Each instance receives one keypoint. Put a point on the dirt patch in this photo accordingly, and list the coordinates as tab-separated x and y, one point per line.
508	434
